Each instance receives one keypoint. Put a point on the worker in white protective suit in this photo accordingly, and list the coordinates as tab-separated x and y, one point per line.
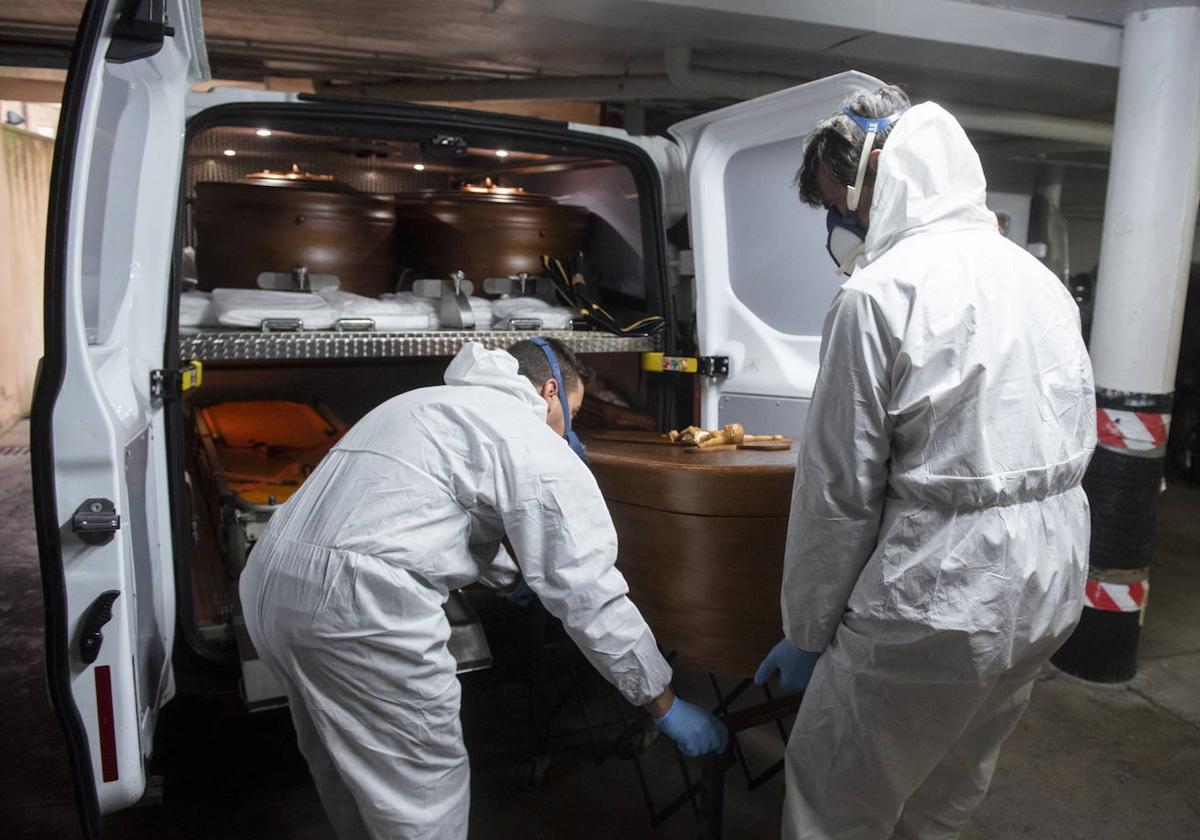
343	593
936	555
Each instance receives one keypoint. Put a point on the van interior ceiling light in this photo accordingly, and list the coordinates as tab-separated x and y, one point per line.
263	132
502	153
229	153
420	167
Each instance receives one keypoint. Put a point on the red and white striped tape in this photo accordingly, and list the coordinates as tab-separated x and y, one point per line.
1137	430
1116	597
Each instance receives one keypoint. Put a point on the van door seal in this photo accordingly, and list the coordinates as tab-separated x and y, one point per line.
49	383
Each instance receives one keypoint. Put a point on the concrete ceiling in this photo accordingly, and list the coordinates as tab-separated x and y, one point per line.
1051	56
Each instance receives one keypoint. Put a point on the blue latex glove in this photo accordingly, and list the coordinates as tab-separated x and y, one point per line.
795	666
695	730
521	594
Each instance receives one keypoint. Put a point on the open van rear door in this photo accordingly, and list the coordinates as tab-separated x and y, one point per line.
99	439
763	278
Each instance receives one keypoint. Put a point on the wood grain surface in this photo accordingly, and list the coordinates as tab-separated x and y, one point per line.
661	476
707	585
701	544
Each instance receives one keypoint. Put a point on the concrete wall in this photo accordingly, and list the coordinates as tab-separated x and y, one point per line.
24	193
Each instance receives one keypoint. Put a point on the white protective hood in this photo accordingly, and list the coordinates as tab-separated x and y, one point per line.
929	179
476	365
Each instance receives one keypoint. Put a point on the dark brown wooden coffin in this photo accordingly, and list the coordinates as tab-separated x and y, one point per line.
701	543
245	229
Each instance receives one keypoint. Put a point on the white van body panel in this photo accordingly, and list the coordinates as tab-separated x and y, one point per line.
198	101
108	434
763	278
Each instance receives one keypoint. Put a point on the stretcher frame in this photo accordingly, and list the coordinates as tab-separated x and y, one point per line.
240	522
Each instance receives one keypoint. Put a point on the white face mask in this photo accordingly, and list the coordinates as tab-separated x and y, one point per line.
846	239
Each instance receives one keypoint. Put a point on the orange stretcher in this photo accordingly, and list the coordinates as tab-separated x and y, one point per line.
254	456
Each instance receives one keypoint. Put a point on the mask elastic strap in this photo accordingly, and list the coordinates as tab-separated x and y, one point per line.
572	439
872	126
853	192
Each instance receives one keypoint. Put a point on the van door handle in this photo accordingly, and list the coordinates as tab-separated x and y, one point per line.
98	614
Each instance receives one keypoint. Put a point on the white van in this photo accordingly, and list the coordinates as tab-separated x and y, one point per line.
114	432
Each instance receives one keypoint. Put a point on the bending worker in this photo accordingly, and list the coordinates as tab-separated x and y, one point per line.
936	555
343	593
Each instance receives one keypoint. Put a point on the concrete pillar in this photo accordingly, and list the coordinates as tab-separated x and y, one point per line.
1047	237
1145	252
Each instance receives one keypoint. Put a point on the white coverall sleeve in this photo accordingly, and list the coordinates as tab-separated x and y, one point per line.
499	570
841	476
566	547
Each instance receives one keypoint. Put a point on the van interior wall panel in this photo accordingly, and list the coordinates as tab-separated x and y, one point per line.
613	245
611	195
24	197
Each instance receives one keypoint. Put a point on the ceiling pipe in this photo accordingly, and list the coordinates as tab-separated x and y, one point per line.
722	84
588	88
1027	124
684	80
731	85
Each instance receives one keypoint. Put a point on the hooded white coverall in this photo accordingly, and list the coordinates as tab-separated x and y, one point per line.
938	540
343	593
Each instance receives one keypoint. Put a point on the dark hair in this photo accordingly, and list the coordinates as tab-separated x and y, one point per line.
836	143
532	363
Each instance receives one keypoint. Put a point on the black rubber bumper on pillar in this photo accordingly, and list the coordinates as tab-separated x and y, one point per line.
1103	647
1122	483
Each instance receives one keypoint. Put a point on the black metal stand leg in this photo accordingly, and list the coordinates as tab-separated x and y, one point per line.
723	703
539	724
710	795
537	679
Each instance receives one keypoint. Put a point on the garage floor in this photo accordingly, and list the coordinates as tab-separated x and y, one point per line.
1087	761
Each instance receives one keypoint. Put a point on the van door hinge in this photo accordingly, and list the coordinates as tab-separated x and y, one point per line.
140	31
169	384
713	366
96	521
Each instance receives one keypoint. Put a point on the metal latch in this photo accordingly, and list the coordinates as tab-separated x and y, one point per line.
98	614
96	521
445	146
703	365
169	384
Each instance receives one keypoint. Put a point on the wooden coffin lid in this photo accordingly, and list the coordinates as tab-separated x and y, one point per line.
640	469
